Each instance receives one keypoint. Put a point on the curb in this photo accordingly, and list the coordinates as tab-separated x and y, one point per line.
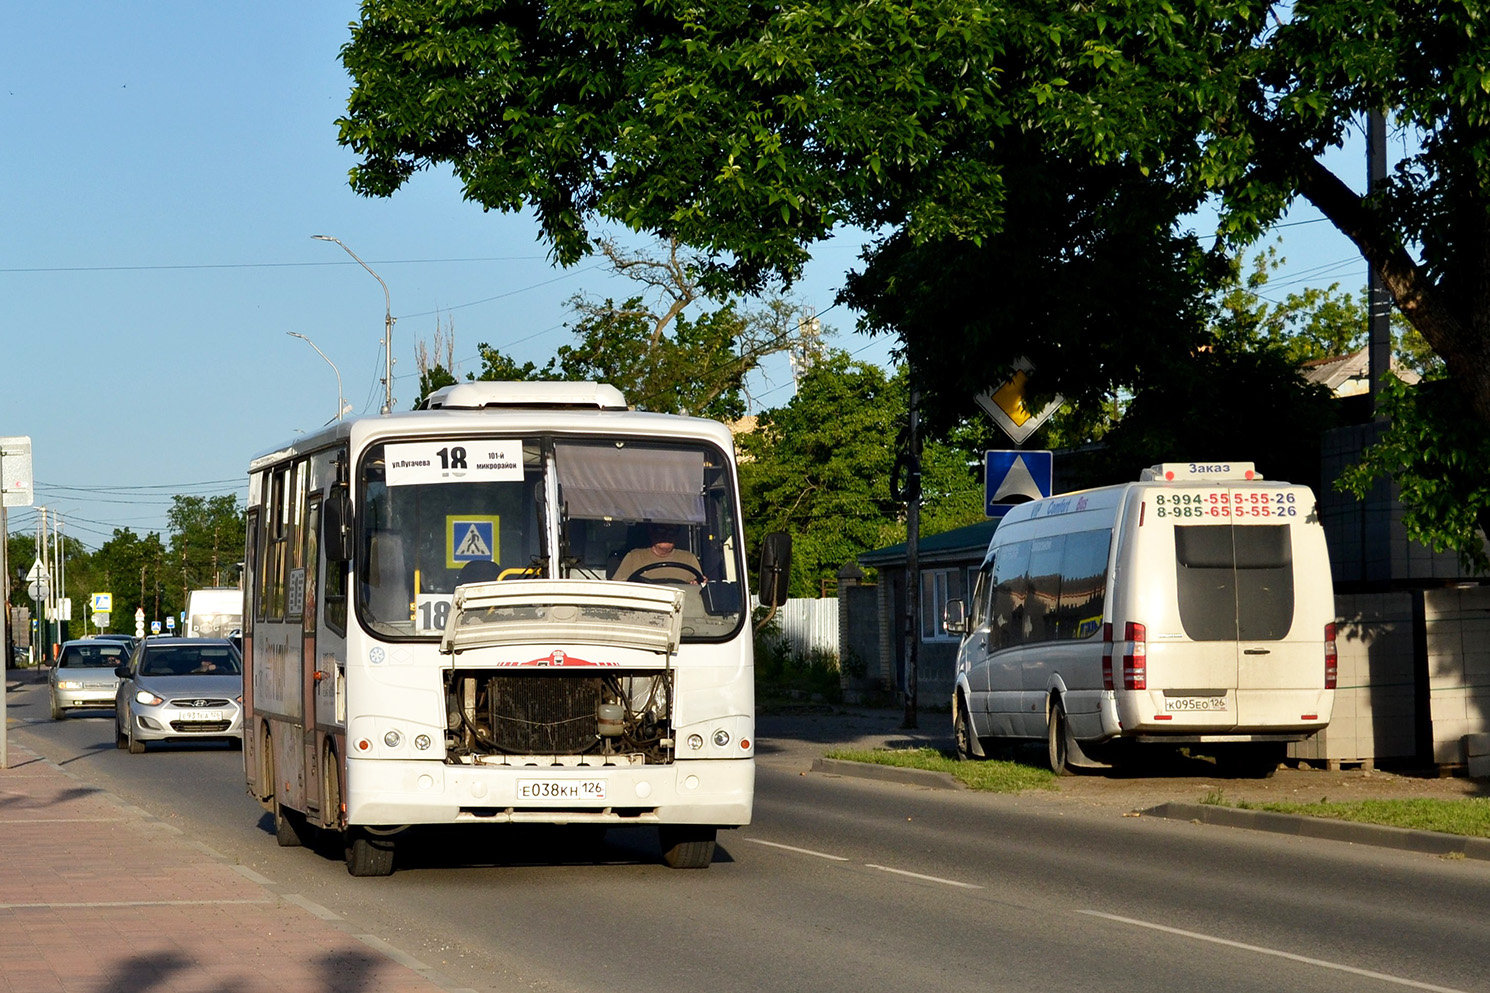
888	774
1380	836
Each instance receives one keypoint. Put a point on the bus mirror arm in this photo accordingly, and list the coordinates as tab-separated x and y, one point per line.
337	517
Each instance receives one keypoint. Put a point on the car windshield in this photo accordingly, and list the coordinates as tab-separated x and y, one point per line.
92	656
190	660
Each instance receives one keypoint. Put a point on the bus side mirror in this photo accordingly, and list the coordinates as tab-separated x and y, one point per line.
954	617
336	518
776	568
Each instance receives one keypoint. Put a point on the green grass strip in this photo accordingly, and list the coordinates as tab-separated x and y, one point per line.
1469	817
992	776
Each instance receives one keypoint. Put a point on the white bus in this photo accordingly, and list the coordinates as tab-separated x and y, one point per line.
1194	607
215	612
438	635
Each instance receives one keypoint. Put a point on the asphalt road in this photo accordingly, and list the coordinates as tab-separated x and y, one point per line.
850	885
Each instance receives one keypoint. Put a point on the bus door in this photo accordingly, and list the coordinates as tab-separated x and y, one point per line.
311	675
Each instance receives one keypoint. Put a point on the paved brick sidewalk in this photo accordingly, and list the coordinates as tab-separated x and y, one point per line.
98	897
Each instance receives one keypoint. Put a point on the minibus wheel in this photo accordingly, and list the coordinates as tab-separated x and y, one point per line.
1057	738
962	732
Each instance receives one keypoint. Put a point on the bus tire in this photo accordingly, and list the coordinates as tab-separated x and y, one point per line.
290	827
1058	739
687	846
368	854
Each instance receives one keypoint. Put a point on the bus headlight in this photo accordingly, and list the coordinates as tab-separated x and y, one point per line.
392	739
695	741
721	738
422	742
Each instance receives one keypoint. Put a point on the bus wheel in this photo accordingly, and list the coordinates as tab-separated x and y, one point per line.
290	827
687	846
962	732
368	854
1058	738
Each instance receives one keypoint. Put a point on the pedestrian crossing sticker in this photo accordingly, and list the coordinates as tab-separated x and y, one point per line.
470	538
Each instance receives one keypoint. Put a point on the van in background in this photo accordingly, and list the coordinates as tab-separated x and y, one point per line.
214	613
1192	608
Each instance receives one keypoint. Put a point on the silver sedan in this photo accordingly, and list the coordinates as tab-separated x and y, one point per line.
84	675
175	689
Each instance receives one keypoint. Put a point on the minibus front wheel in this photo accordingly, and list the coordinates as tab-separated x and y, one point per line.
1058	738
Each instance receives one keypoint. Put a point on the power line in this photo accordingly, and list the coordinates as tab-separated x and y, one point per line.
263	265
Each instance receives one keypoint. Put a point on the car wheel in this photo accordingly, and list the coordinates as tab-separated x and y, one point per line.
121	740
1057	739
136	746
687	846
368	854
56	710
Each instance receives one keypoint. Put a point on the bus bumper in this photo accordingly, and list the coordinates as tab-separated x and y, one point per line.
396	792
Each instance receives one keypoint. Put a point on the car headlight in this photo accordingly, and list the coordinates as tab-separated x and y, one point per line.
69	684
147	698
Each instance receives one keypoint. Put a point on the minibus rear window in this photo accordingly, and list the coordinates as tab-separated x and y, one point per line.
1234	583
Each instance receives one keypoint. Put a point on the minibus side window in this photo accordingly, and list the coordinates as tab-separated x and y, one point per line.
1007	623
1045	588
1083	584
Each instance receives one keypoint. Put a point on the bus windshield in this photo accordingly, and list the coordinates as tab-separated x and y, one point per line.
437	514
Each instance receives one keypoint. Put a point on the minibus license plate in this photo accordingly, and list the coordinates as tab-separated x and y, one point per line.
561	789
1190	704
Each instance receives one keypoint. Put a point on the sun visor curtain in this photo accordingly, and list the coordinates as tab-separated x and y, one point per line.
631	483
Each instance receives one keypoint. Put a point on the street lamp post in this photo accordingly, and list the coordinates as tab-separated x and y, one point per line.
387	324
341	401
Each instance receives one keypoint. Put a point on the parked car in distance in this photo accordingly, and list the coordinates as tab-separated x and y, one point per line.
84	675
176	689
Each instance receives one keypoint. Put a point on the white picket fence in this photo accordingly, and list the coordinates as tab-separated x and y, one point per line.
810	625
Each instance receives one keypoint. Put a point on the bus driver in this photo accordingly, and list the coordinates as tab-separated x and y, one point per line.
661	560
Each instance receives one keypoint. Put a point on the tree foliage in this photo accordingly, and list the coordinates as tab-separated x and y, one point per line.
953	129
820	465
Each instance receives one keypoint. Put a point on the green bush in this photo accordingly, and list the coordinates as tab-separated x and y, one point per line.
782	673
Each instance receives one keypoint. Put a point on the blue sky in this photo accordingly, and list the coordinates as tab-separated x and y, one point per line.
162	169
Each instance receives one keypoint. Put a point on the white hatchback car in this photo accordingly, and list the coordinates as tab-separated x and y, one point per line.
174	689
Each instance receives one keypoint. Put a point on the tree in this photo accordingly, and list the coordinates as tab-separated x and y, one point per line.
208	535
665	360
751	130
819	467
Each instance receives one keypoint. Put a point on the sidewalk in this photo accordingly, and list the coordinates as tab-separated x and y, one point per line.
100	897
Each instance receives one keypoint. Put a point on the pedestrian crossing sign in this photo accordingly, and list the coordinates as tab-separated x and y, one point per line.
470	538
1013	477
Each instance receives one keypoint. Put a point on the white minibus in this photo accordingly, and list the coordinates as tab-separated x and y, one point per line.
1191	608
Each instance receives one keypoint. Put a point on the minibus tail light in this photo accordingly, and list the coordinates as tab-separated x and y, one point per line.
1107	683
1135	657
1331	658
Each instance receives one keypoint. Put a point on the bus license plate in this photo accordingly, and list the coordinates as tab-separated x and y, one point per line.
561	789
1190	704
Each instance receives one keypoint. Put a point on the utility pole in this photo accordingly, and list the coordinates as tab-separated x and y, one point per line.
909	461
1377	299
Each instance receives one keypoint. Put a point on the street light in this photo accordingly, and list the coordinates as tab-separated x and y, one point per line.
387	324
341	403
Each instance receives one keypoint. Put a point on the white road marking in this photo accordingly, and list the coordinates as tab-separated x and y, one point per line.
799	851
929	879
1398	980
